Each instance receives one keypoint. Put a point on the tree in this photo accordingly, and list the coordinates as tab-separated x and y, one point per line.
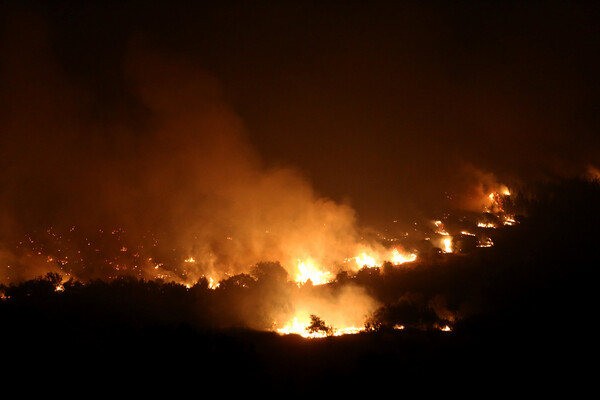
238	281
318	325
269	272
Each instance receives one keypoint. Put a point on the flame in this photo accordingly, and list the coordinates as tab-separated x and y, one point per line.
395	257
296	327
212	284
509	220
365	260
398	258
440	230
308	270
448	245
486	243
300	327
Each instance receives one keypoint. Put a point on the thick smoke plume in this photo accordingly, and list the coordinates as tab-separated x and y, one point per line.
176	166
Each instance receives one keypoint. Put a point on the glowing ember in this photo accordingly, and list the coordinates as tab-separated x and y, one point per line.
486	225
440	230
446	328
351	330
190	260
486	243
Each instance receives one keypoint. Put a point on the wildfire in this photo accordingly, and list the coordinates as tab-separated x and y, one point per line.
130	257
308	270
448	245
212	284
365	260
395	257
440	230
301	328
485	243
398	258
295	327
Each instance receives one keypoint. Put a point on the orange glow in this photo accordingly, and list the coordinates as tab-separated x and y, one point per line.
300	327
448	245
398	258
365	260
486	243
440	228
212	284
308	270
295	327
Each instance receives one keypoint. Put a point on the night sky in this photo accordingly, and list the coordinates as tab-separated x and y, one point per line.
392	108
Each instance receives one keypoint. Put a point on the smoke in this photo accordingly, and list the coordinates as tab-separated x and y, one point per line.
177	164
349	306
474	187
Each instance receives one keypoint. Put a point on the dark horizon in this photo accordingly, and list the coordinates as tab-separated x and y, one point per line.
392	108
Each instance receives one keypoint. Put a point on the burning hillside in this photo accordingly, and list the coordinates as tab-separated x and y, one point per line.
278	296
415	187
480	309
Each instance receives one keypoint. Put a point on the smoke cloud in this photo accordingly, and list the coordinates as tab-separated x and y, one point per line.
178	165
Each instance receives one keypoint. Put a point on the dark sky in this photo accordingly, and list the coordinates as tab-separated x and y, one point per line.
387	105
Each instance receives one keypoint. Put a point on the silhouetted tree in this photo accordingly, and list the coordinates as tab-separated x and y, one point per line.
318	325
269	272
236	282
342	277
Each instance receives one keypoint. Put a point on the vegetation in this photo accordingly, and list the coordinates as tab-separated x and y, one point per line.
317	325
529	298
